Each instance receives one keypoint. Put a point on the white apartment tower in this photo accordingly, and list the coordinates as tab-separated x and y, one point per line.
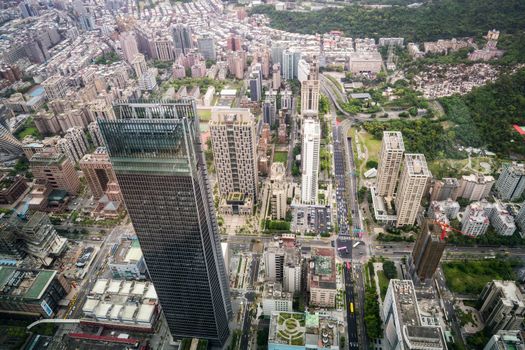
310	161
233	138
412	186
390	158
310	92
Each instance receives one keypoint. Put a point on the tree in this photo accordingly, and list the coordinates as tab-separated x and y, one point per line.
371	164
389	268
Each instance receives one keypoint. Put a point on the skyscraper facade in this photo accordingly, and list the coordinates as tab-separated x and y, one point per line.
390	158
155	150
412	187
310	161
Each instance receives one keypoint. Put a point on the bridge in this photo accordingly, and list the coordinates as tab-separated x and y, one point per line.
53	320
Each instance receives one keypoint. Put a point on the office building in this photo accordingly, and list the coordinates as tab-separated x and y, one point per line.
28	292
444	189
310	92
475	220
502	306
426	253
279	191
310	161
206	46
412	187
321	277
506	340
169	201
390	159
182	40
273	258
275	299
269	109
404	327
511	181
98	171
11	188
475	187
302	331
233	139
56	169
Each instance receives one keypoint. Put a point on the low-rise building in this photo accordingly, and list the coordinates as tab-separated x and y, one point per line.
506	340
127	261
31	292
275	299
11	188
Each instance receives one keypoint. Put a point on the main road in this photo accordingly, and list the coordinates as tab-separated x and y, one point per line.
250	297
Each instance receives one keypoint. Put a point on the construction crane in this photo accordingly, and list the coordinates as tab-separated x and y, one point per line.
445	227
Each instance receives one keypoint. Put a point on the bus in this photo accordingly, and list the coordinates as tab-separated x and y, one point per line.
351	308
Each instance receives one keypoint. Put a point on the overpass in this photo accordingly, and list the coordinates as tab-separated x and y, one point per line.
54	321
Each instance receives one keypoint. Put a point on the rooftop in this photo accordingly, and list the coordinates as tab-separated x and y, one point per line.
26	284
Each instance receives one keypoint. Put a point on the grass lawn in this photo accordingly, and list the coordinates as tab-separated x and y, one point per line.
470	276
29	128
383	283
280	156
373	145
204	114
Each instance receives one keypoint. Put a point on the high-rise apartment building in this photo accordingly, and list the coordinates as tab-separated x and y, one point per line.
276	76
74	144
156	153
182	39
427	252
279	191
94	133
310	161
444	189
511	181
56	169
310	92
403	322
8	143
55	87
256	83
98	171
520	219
475	221
129	47
233	139
475	187
290	64
206	46
412	187
390	159
502	306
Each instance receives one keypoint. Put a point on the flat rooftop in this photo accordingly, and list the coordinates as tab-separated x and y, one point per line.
25	284
417	165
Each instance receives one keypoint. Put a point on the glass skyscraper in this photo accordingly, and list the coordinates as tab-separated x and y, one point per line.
155	149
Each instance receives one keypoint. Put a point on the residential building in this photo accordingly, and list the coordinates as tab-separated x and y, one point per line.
234	43
95	135
390	159
404	327
269	109
475	220
233	139
412	188
129	47
506	340
273	258
310	160
206	46
8	143
127	261
321	277
276	76
275	299
511	181
98	171
310	92
444	189
502	220
502	306
448	208
255	83
520	219
55	87
169	201
279	191
31	292
74	144
475	187
290	64
56	169
182	40
427	252
365	62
